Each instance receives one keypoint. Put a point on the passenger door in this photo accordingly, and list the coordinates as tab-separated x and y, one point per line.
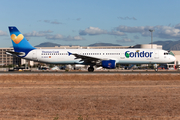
156	54
34	55
122	55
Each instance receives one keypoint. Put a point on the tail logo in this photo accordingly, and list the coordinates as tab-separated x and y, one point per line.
17	39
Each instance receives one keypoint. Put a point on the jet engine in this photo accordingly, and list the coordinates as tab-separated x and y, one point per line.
109	64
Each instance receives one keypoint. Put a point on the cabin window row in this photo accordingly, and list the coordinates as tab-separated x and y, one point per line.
82	54
100	53
54	54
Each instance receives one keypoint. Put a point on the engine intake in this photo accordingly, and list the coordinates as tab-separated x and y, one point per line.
109	64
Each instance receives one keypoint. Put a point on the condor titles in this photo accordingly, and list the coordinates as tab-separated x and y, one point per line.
138	54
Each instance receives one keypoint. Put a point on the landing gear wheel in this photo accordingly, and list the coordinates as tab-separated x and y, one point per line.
90	69
156	69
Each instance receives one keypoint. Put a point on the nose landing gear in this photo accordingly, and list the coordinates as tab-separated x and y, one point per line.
156	68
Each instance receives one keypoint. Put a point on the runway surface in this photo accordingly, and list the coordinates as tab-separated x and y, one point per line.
95	72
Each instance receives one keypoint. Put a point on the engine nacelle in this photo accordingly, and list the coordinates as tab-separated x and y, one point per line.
109	64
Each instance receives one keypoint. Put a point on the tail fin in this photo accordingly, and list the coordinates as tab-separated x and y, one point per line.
19	42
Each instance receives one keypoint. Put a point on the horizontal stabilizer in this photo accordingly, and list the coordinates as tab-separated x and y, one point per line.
15	53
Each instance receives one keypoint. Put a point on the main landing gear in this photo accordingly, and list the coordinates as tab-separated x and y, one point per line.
90	69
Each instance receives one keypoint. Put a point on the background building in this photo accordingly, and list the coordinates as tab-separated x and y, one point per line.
7	59
148	46
177	55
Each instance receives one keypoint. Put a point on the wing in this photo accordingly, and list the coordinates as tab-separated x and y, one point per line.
86	59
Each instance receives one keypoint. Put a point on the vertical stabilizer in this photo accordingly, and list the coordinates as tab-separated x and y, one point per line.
19	42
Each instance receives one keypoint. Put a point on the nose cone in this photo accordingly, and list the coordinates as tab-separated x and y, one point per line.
173	58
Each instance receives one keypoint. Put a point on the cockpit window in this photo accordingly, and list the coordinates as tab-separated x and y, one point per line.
168	53
165	53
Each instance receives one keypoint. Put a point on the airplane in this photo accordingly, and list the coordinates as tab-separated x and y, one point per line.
105	58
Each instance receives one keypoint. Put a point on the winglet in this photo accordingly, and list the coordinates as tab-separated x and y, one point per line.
69	53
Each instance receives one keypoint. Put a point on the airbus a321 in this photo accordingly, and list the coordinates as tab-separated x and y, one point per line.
106	58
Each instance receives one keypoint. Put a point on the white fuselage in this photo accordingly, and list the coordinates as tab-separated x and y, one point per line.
121	56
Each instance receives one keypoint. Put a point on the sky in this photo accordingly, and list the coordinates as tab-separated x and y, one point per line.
84	22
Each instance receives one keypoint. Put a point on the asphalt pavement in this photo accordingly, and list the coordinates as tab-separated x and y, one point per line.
95	72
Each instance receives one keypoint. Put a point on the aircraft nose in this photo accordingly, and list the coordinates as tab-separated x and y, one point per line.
173	58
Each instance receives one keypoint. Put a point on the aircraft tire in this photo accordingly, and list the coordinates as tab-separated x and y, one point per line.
90	69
